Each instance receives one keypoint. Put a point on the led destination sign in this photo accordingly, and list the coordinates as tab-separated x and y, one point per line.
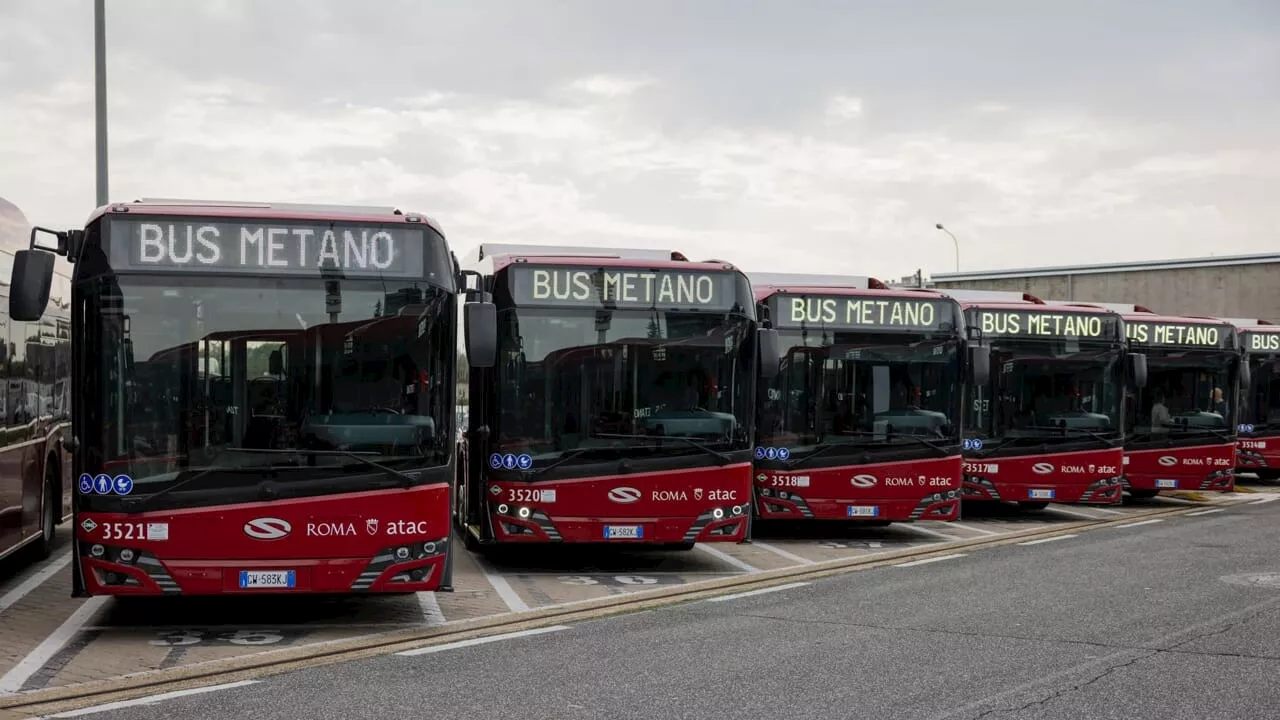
862	312
1262	342
1180	334
1044	324
623	287
281	248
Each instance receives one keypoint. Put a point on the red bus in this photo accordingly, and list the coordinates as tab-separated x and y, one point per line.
1258	447
35	362
1048	426
262	397
1180	429
862	422
618	399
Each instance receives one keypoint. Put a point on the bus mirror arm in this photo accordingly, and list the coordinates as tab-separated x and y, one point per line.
980	364
70	443
480	326
1138	366
770	355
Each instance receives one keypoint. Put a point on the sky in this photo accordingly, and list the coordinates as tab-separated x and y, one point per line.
804	136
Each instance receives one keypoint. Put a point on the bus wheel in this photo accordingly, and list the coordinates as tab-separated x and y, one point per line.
1032	505
49	507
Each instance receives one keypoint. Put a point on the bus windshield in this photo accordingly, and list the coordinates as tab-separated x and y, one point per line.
622	380
1049	391
1185	397
1260	406
221	374
860	390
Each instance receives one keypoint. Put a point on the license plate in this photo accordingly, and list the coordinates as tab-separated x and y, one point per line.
1166	483
612	532
1038	494
267	578
863	511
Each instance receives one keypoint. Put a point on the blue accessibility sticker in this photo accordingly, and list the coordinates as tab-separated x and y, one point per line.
509	461
783	453
524	461
495	461
123	485
102	484
759	453
86	483
1245	428
972	444
771	453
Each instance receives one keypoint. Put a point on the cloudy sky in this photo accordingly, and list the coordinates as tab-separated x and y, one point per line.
825	135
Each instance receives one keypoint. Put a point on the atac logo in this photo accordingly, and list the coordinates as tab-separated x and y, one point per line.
267	528
624	495
1167	460
864	481
1042	468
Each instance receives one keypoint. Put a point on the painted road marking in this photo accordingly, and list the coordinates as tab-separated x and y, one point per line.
974	528
1141	522
1045	540
762	591
783	553
481	641
430	608
152	699
1108	511
726	557
927	531
926	561
505	591
1267	499
18	675
1072	513
53	568
1205	512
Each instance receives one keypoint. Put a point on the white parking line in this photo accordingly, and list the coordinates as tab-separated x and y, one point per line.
927	531
1108	511
926	561
1205	512
501	586
1267	499
480	641
972	528
431	612
37	579
726	557
18	675
1046	540
1072	513
762	591
1143	522
151	699
783	553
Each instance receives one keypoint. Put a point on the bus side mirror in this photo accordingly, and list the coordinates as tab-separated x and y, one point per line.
1138	366
29	284
770	356
1246	374
480	327
979	364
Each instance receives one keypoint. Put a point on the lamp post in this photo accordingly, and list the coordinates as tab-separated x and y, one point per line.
954	240
100	95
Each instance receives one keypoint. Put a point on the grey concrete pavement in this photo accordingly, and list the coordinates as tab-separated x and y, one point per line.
1130	623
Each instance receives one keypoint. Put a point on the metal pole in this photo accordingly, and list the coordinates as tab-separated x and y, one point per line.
100	95
954	240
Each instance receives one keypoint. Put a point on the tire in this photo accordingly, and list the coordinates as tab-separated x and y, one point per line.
50	504
1032	505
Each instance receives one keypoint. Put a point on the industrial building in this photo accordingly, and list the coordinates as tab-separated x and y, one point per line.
1241	286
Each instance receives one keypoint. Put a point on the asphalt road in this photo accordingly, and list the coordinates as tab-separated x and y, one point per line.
1126	623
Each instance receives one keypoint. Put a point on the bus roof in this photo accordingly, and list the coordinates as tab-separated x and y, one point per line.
488	258
1001	300
265	211
811	281
1138	312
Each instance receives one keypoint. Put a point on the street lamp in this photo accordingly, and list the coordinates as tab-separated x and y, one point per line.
100	95
954	240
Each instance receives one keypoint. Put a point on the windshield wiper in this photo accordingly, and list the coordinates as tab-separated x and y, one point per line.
1190	430
722	457
143	502
566	457
827	447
